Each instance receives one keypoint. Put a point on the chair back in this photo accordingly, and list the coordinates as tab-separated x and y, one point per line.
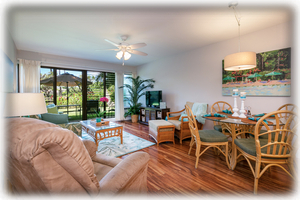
219	106
289	106
192	124
280	142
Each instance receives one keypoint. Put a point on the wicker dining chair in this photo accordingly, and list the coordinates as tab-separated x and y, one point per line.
209	138
289	106
277	149
218	107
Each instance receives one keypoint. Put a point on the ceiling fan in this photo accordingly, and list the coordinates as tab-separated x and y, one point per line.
126	49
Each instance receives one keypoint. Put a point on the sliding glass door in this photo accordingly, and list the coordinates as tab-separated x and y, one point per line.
79	93
100	94
69	93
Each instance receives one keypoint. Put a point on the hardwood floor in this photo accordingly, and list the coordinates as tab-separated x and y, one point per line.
171	171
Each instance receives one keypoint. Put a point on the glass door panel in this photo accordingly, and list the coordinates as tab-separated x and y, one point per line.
46	86
69	93
94	92
100	84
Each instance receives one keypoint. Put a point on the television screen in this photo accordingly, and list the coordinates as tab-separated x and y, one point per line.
153	98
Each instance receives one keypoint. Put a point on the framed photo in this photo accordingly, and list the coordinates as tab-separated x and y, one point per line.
270	77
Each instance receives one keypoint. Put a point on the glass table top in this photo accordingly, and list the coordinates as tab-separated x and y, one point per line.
90	125
243	121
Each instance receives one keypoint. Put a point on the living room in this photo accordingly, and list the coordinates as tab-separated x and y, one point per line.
183	73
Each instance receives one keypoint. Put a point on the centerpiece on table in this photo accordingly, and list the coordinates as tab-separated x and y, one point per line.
100	114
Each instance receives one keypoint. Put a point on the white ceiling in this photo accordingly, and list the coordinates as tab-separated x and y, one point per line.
80	31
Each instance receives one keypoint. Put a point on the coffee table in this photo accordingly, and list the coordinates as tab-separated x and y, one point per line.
99	133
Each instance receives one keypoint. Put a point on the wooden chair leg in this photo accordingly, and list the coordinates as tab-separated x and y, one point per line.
198	147
191	145
226	153
256	176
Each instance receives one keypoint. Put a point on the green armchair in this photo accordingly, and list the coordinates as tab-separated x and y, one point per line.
55	117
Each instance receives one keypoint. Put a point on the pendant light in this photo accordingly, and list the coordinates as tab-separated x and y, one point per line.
241	60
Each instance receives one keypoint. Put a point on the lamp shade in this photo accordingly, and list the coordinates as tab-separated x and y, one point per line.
240	61
119	55
21	104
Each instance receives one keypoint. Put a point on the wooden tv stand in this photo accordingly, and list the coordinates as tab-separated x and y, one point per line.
150	113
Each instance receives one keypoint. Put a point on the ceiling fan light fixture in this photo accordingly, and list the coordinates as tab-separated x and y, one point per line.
119	55
127	55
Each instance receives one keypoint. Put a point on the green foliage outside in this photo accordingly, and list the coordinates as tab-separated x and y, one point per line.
94	92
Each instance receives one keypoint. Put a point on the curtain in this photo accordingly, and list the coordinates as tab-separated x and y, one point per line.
29	76
119	100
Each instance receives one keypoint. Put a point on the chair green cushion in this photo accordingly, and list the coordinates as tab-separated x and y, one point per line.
212	136
248	145
55	118
219	128
52	110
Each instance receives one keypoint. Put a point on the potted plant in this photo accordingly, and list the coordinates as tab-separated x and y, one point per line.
100	114
136	91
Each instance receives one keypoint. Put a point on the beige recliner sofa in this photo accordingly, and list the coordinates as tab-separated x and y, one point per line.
45	158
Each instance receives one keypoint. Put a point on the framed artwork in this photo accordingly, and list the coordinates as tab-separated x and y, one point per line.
270	77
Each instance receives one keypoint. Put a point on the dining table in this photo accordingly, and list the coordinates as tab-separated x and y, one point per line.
237	128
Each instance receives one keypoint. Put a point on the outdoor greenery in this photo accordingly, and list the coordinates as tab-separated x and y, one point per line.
136	90
277	61
94	92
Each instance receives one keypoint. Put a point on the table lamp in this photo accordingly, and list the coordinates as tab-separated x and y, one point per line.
21	104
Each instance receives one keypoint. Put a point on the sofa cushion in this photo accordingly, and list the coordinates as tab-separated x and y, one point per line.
212	136
176	123
154	124
55	118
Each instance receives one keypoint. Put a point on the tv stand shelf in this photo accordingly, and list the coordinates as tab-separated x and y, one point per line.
150	113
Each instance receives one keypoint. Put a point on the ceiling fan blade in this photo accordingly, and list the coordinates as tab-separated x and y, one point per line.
137	52
111	42
107	50
138	45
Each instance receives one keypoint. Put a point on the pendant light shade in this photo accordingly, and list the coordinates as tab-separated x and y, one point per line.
240	61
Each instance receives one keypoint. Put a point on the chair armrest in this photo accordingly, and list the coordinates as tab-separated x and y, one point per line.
175	117
91	147
124	173
106	160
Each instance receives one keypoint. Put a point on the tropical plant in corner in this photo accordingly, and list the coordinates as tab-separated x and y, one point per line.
136	91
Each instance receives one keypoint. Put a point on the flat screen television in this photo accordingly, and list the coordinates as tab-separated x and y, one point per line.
153	98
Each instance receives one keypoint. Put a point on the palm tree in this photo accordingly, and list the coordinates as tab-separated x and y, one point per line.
136	91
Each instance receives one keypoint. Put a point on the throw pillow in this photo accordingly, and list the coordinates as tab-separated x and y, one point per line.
185	119
52	110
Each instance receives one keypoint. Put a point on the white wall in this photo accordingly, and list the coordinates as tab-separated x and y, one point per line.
73	63
197	75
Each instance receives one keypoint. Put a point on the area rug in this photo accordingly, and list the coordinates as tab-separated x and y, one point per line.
113	147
